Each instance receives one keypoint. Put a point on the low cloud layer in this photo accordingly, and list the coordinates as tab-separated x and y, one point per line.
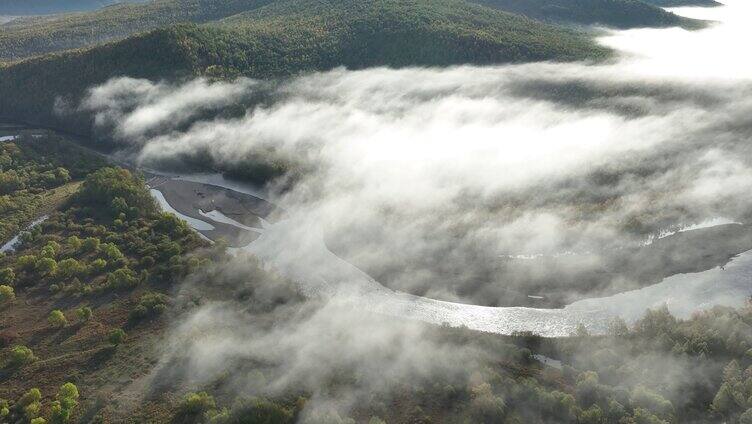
429	178
445	182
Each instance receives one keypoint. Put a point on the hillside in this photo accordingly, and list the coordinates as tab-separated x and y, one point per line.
678	3
290	37
35	36
40	7
612	13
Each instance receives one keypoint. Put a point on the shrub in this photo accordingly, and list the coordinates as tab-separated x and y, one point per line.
150	304
4	408
116	337
122	278
46	266
84	313
26	262
745	418
21	355
90	244
7	276
74	242
97	266
257	410
197	403
30	403
111	251
147	262
69	268
57	319
66	401
652	402
50	250
7	294
38	420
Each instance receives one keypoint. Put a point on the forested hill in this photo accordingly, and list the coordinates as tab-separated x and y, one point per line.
616	14
34	36
677	3
39	7
29	37
291	37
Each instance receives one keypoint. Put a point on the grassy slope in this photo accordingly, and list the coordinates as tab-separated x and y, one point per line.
290	37
612	13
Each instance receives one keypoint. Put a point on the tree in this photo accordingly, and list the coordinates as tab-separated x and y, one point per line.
150	304
4	408
7	294
51	249
7	276
97	266
46	266
69	268
74	243
66	401
746	417
102	187
116	337
26	262
257	410
57	319
111	251
122	278
84	313
21	355
90	244
651	401
30	403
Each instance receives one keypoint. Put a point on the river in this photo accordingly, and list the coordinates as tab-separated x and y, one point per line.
320	273
294	247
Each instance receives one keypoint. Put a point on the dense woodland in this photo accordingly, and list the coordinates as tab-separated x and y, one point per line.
271	39
32	36
624	14
39	7
287	38
87	297
680	3
37	35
